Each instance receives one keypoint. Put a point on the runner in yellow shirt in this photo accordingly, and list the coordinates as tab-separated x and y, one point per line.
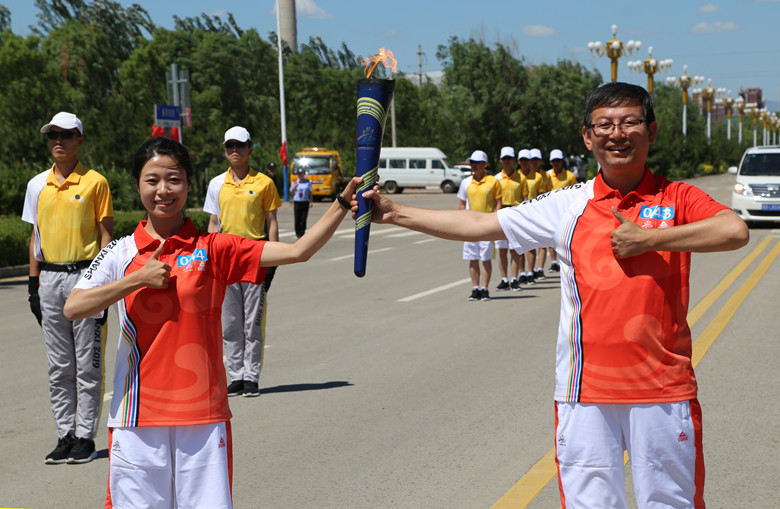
514	188
243	201
72	217
480	192
543	186
560	177
533	180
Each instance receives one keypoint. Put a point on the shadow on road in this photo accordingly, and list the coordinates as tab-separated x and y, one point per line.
304	387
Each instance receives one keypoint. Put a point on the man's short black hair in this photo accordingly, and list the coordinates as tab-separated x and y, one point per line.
613	94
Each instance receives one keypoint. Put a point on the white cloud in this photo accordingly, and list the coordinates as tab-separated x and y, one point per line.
310	9
716	27
219	13
538	31
710	8
393	33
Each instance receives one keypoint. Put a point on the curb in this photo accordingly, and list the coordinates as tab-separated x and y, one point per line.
15	271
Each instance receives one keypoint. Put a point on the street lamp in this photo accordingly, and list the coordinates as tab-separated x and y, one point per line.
708	93
684	82
728	104
614	49
650	66
754	112
765	120
740	105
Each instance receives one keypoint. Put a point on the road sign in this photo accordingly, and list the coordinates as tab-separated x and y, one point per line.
167	116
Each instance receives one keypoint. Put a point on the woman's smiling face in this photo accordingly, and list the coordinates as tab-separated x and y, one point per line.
163	187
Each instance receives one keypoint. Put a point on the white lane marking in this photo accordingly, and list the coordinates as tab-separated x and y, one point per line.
374	231
351	255
435	290
403	234
425	240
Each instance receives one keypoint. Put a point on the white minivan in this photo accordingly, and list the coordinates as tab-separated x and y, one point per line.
402	167
756	194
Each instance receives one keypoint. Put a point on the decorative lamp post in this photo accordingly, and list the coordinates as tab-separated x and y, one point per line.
754	112
728	104
684	82
764	121
740	105
613	50
650	66
708	93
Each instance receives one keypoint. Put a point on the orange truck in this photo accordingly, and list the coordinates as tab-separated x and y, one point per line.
323	169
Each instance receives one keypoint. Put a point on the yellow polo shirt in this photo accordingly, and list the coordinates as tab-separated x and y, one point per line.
484	194
537	184
513	189
242	208
566	179
66	216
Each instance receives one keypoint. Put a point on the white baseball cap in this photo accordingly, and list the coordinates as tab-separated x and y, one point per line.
478	156
556	154
536	153
64	120
507	152
524	154
237	133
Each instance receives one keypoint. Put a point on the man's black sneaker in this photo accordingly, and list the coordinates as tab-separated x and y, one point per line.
83	451
251	390
539	274
554	267
61	452
529	279
484	294
522	279
515	285
236	388
502	286
475	294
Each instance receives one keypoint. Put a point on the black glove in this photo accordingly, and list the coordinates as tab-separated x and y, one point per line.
269	276
33	298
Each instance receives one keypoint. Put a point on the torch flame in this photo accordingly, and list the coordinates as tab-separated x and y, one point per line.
384	56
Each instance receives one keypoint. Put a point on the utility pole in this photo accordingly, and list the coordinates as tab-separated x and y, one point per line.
419	63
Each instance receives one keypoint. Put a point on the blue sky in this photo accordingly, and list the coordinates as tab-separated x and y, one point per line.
733	42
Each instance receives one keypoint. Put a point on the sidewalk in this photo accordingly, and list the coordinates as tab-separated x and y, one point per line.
14	271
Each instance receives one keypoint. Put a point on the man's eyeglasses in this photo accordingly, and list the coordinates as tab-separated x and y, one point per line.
62	135
627	126
236	144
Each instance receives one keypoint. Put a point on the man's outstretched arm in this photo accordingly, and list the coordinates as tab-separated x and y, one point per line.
725	231
464	225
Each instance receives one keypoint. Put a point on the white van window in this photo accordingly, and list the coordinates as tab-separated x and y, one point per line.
437	164
398	163
383	163
417	164
761	164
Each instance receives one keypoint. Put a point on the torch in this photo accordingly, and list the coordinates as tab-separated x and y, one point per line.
373	98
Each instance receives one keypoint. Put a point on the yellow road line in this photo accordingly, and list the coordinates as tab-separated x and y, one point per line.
709	299
713	330
545	470
526	489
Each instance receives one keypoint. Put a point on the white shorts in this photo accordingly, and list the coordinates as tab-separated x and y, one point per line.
170	466
502	244
482	250
664	445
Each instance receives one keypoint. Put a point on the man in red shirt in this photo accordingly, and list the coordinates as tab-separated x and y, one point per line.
624	377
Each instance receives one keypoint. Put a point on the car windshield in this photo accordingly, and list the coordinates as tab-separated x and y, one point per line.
761	164
312	165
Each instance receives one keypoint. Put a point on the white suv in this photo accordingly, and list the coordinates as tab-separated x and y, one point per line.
756	195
